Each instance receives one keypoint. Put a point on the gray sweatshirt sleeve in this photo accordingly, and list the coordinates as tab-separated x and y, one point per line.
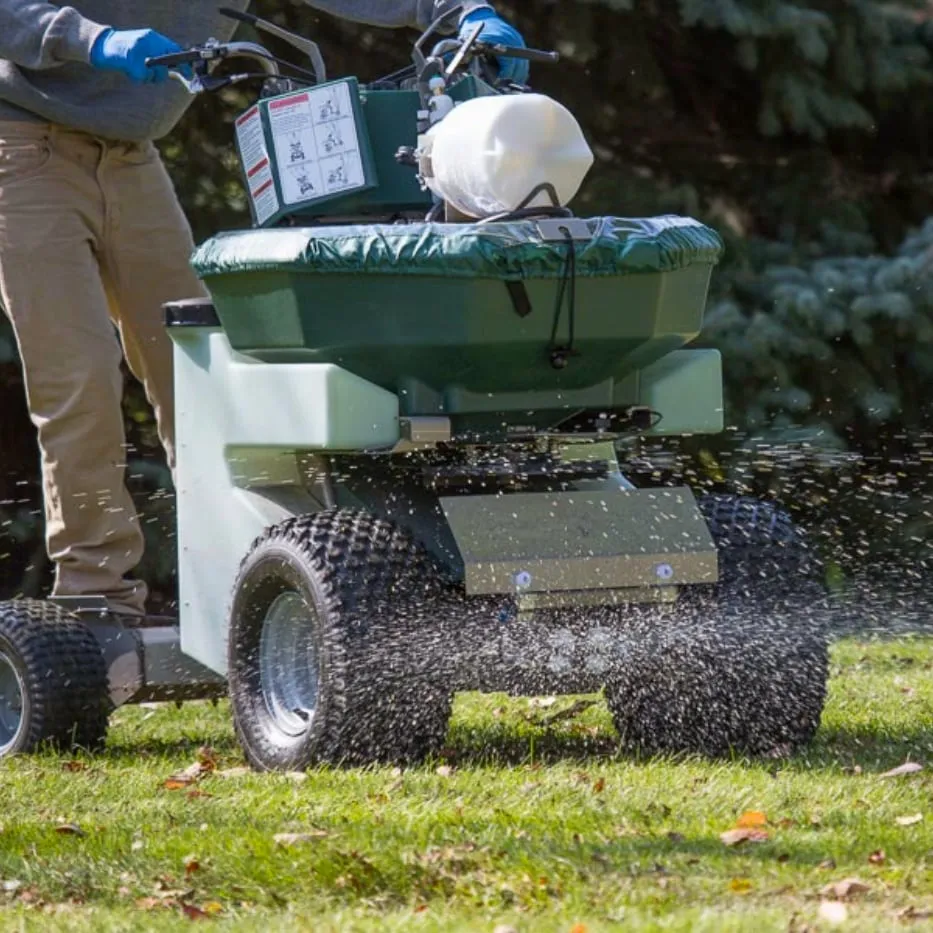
395	13
42	35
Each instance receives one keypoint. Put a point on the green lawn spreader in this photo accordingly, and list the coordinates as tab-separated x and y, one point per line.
402	437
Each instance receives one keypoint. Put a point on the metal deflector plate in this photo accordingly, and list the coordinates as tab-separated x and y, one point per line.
545	542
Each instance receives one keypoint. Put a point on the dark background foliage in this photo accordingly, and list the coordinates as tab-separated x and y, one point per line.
801	131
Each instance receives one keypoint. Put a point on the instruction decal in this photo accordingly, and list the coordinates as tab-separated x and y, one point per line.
317	149
256	164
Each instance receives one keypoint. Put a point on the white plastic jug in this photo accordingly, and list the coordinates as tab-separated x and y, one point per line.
489	153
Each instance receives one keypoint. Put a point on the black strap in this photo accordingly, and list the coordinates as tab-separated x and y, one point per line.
521	303
559	355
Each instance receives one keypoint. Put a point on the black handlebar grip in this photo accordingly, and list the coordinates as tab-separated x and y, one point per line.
173	59
509	51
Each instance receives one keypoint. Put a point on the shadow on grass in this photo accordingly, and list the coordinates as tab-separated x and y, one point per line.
126	750
835	748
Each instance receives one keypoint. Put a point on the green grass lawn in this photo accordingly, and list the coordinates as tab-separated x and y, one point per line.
526	824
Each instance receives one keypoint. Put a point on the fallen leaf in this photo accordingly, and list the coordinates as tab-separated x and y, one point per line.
909	767
833	912
827	864
233	772
194	913
70	829
600	785
844	889
578	928
783	858
195	793
213	907
421	908
187	777
909	820
207	758
74	766
677	837
877	857
751	819
291	839
734	837
444	771
740	885
191	864
913	913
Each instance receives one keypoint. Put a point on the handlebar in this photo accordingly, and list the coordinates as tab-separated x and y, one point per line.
509	51
202	59
209	55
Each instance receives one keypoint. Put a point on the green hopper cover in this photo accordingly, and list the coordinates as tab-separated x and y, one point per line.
509	250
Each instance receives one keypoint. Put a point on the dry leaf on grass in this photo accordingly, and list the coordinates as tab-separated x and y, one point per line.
578	928
740	885
734	837
877	857
913	913
909	767
909	820
751	819
185	778
599	785
74	766
206	763
845	888
194	913
833	912
292	839
191	864
70	829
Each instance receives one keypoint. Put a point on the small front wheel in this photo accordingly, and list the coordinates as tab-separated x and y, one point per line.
53	680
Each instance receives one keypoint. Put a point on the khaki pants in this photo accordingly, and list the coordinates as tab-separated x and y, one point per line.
91	236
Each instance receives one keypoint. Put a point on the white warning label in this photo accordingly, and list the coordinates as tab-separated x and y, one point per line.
256	164
317	147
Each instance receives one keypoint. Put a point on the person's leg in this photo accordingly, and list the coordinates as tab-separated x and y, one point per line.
146	262
51	222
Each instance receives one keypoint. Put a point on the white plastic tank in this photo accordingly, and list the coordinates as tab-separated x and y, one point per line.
489	153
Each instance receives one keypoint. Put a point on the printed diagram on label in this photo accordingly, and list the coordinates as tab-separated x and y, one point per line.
316	143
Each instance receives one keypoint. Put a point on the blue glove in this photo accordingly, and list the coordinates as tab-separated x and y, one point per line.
498	30
127	50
